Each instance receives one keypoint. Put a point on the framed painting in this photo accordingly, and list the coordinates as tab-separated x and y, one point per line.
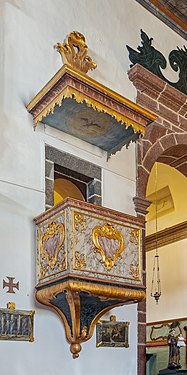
16	324
112	333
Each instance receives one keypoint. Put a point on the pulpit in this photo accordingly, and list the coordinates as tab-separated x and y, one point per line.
89	260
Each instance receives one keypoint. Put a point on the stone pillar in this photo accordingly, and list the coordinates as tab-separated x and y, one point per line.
141	206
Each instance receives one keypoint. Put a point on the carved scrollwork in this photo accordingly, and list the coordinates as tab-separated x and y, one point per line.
109	243
135	271
50	244
79	221
134	236
74	52
80	260
154	61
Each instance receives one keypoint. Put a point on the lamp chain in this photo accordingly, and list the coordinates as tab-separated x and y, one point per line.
156	286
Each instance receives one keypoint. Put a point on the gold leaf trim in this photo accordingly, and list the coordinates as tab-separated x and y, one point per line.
72	93
134	236
107	231
135	271
74	52
79	221
80	260
52	230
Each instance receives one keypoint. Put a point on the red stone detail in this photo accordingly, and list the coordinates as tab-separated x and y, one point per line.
146	144
178	151
168	114
152	155
183	123
144	277
181	138
183	110
67	79
141	205
10	284
165	159
143	175
168	141
167	125
142	359
139	146
154	132
172	98
183	169
141	317
99	210
141	333
146	81
142	306
147	102
178	162
175	129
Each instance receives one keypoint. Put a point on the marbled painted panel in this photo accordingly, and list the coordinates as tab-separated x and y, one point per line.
95	245
52	247
89	262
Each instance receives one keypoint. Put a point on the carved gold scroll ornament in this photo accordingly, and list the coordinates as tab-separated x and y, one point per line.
51	242
109	243
74	52
135	271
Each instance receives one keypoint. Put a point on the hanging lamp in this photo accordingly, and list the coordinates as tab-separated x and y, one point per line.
156	284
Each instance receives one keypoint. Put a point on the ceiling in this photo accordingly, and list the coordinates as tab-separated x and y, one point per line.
171	12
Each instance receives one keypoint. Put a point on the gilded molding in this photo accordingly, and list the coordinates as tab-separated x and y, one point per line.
79	97
92	273
90	208
78	105
94	288
70	83
74	52
108	253
114	296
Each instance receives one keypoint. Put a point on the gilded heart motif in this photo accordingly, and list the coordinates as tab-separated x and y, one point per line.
51	242
109	243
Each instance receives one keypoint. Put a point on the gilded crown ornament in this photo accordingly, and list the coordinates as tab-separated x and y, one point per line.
74	52
77	104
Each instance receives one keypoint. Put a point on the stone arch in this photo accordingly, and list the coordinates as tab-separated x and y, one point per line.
163	137
163	150
170	128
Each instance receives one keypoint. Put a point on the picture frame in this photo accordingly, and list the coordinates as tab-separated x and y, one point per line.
112	333
16	325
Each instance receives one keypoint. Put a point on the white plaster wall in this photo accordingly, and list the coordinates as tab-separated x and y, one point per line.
177	183
172	257
28	31
173	301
